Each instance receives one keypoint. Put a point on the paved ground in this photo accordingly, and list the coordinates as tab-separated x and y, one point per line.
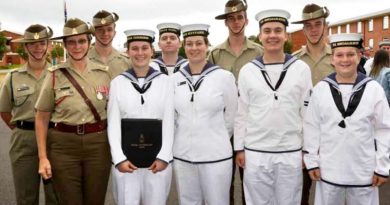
7	190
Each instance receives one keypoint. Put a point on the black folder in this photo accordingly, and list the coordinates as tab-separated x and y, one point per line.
141	140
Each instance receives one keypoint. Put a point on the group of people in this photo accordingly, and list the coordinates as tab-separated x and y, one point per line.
239	104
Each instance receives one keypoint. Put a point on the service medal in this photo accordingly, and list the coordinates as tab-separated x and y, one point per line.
99	96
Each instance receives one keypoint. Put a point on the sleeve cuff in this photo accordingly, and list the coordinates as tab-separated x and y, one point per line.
116	165
384	176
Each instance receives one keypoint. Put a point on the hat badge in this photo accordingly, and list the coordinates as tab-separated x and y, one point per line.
74	31
36	36
234	8
103	21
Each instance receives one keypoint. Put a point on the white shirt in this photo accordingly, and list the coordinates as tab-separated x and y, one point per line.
204	118
125	102
347	156
267	120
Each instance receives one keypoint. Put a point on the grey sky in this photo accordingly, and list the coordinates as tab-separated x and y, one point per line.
16	15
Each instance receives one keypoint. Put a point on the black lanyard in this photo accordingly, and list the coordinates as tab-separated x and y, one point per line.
352	104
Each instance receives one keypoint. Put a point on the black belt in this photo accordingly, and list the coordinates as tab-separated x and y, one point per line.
28	125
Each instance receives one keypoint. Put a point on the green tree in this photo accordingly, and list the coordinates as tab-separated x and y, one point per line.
22	53
182	53
58	51
3	45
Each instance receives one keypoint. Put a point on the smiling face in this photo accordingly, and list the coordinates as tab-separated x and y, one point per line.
314	30
105	34
77	46
140	53
345	61
195	48
169	43
273	35
37	50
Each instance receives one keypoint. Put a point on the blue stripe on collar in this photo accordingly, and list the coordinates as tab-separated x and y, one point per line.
288	60
361	80
208	68
152	73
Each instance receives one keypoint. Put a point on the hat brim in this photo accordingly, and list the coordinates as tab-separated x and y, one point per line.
22	40
222	16
65	36
303	21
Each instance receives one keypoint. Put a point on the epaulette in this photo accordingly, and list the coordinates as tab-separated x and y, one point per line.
124	55
297	52
54	67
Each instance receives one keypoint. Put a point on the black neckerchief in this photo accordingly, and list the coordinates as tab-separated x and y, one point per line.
194	86
357	89
163	66
288	60
152	73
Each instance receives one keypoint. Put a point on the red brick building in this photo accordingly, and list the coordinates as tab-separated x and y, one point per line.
374	26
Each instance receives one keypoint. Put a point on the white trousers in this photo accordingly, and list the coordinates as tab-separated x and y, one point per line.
327	194
142	186
273	179
198	183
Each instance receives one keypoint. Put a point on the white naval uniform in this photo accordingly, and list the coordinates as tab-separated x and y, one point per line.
348	149
268	126
158	64
141	186
368	66
205	110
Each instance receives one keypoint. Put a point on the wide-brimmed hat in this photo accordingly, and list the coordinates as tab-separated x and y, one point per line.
312	11
75	27
35	33
103	18
232	6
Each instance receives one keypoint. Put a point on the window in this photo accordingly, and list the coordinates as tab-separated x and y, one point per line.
347	28
385	22
338	29
371	25
330	31
371	43
359	27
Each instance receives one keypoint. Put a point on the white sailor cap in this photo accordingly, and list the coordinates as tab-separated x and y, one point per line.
273	15
346	40
385	42
169	28
140	35
195	30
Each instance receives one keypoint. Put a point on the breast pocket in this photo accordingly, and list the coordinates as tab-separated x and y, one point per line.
22	94
62	93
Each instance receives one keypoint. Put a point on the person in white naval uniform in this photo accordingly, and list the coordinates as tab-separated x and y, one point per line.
205	101
141	92
383	45
169	42
268	126
347	131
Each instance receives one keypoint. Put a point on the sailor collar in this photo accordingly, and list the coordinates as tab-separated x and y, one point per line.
360	81
152	73
208	68
288	60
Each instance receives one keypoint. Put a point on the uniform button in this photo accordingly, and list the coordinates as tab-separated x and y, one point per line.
82	87
83	119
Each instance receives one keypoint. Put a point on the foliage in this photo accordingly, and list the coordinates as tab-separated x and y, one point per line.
22	53
3	45
182	53
58	51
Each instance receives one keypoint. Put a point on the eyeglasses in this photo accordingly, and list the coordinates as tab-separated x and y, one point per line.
74	42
